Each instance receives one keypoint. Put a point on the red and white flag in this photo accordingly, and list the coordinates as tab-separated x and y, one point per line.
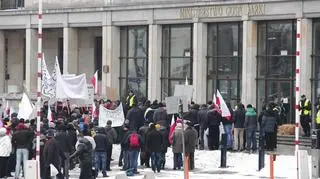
7	110
49	116
225	112
94	111
94	82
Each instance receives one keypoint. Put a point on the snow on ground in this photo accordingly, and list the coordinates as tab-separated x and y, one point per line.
240	165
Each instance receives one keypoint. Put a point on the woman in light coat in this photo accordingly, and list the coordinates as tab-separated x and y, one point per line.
5	151
177	147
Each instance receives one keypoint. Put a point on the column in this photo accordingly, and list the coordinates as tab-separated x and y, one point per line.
70	50
199	62
249	63
154	62
306	60
110	61
31	60
2	62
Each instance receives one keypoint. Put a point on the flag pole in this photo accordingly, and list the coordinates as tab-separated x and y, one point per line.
39	59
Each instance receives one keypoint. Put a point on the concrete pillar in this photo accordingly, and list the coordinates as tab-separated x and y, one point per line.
249	63
31	60
154	62
199	62
110	60
70	50
2	62
306	60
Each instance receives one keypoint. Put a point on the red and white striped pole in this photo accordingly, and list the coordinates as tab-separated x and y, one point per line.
39	95
297	106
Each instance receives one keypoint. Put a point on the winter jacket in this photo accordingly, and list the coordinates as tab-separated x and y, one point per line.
161	117
22	139
101	141
128	142
154	141
111	134
251	120
5	143
135	118
177	140
190	139
239	117
269	121
84	151
143	131
65	141
52	153
91	140
165	137
148	114
226	121
202	117
192	116
214	118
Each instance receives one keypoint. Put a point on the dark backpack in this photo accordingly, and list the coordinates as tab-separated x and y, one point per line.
134	140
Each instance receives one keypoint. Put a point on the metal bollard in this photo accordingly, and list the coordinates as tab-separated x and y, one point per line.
261	154
223	161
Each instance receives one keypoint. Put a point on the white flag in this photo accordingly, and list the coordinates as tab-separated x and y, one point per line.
25	107
223	106
49	116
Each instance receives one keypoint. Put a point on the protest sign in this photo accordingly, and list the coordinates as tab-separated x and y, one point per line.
116	116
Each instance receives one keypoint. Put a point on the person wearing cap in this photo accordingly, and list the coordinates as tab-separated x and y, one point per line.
21	140
51	154
305	114
131	99
190	140
177	147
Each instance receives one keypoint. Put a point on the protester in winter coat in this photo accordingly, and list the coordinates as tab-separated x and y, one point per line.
250	125
227	126
177	147
134	142
102	144
5	150
190	139
164	147
148	114
84	151
239	116
112	138
213	121
65	142
72	133
135	117
153	143
161	117
269	127
21	140
192	116
202	118
52	153
144	154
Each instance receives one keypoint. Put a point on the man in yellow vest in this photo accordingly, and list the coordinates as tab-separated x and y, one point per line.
305	115
317	120
131	99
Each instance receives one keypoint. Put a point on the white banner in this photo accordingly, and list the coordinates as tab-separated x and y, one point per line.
72	87
25	107
116	116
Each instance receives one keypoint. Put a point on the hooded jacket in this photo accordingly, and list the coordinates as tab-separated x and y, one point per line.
239	117
101	140
22	139
5	143
202	117
177	139
154	140
214	117
269	121
251	120
84	151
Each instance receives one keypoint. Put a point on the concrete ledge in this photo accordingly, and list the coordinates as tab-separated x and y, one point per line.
121	175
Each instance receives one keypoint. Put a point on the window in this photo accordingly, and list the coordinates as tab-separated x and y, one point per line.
224	60
11	4
98	56
316	60
276	66
134	60
60	53
176	57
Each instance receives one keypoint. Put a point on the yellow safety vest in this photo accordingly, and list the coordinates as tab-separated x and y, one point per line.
318	117
305	112
131	100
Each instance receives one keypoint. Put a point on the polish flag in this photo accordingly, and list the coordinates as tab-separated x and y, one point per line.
225	112
49	116
94	111
7	110
94	82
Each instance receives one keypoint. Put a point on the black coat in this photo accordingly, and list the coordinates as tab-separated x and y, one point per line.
269	121
239	117
84	152
190	139
202	117
102	142
214	118
65	141
192	116
135	118
161	117
22	139
52	153
154	141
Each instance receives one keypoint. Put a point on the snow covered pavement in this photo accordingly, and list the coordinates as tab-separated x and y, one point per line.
240	165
